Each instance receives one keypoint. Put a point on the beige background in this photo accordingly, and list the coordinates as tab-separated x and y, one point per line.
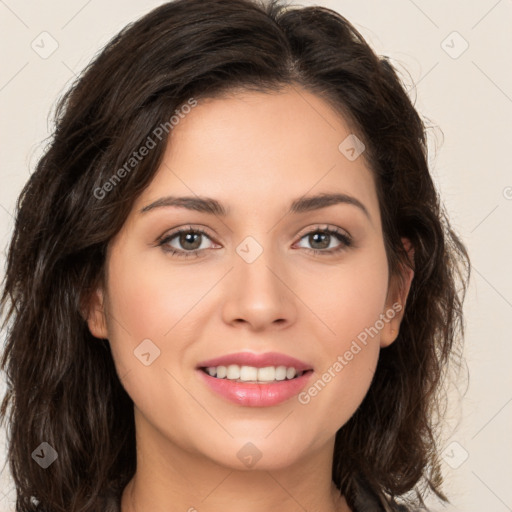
466	93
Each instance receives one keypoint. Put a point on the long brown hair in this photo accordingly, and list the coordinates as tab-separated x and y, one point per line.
62	384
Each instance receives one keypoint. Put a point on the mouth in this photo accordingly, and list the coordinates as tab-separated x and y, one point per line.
246	386
255	380
254	375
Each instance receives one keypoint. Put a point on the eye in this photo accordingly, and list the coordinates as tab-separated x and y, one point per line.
321	239
190	239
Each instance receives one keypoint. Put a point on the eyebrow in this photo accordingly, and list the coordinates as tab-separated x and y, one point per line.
214	207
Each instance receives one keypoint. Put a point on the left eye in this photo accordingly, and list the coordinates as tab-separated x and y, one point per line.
323	237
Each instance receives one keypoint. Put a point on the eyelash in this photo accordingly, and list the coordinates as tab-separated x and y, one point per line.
345	239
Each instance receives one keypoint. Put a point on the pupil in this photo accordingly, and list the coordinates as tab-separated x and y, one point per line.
184	239
325	242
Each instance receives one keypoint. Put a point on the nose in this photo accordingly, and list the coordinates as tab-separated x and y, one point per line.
259	294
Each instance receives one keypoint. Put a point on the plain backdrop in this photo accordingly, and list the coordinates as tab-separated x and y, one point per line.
456	58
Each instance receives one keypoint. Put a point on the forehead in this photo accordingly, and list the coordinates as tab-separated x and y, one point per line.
253	149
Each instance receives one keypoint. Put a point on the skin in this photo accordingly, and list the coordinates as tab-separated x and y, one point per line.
255	153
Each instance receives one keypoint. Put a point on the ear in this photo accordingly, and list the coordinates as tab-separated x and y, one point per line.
398	292
93	312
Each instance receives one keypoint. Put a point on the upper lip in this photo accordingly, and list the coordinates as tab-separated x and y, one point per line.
257	360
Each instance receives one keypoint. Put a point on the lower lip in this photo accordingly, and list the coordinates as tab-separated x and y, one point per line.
257	395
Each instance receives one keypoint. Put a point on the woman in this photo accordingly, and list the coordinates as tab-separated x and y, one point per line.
231	282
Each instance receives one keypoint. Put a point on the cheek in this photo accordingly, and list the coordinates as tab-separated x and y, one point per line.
152	299
348	297
149	299
150	296
336	393
349	304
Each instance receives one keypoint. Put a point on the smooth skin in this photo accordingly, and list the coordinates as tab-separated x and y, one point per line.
255	153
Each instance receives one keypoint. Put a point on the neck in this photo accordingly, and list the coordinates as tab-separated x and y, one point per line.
169	478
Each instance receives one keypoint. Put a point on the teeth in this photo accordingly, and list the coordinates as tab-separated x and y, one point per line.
233	372
253	374
212	371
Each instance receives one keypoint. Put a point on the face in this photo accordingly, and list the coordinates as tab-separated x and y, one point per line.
309	282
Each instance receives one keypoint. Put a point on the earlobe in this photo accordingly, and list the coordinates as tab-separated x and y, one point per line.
397	298
94	313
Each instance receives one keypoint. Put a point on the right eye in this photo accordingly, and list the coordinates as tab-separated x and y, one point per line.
190	240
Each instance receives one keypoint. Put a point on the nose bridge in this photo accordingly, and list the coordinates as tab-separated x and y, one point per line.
253	266
257	291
